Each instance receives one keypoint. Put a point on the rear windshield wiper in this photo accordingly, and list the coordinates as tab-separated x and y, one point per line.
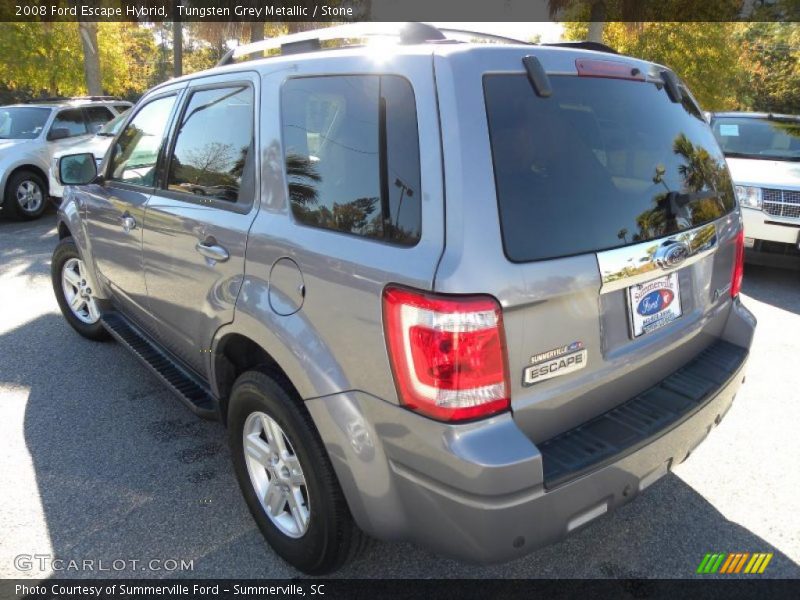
537	76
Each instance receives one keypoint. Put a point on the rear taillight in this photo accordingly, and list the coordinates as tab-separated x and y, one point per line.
447	353
738	265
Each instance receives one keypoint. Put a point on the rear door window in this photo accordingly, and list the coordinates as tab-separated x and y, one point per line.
72	120
97	117
352	155
601	163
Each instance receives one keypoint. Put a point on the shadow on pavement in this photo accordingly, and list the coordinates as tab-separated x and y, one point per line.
776	286
125	472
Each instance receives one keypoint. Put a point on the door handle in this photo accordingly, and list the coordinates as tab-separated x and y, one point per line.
210	249
128	222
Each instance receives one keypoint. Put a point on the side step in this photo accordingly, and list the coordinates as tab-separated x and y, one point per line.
192	392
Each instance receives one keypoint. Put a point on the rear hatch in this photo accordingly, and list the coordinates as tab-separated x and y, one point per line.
616	226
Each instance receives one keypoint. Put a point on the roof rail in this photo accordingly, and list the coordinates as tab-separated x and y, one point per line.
46	99
583	45
305	41
484	36
96	98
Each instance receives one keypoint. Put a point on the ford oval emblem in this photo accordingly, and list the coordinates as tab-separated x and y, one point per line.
672	255
655	302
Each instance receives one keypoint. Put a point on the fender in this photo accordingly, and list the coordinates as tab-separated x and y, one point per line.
291	341
71	214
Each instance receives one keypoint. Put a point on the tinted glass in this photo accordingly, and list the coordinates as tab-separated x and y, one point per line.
213	151
136	151
113	126
744	137
352	155
120	108
71	120
98	116
601	163
22	123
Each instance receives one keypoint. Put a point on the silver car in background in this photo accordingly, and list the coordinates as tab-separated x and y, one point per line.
31	133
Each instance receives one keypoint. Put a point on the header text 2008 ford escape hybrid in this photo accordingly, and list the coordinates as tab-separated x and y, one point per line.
473	296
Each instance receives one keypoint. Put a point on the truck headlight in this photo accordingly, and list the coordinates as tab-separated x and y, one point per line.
749	197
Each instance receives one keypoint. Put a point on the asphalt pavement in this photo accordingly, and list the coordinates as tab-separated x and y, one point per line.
99	462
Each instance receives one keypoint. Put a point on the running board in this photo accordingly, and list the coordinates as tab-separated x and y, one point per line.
192	392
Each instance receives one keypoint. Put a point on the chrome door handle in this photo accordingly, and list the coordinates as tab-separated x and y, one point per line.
128	223
212	250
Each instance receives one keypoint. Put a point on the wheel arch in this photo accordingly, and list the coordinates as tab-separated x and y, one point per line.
235	353
28	167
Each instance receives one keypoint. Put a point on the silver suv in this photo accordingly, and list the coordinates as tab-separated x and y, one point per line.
30	134
470	295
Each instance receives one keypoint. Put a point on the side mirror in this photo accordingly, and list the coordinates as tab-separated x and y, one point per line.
77	169
58	133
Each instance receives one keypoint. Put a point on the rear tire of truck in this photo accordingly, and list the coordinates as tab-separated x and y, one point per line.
287	478
25	196
73	292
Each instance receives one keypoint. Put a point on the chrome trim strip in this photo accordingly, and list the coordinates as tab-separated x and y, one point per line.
623	267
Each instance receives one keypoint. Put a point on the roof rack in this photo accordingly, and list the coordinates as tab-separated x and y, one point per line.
583	45
72	98
46	99
306	41
484	36
309	41
96	98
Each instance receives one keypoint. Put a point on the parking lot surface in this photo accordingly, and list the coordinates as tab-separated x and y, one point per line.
100	462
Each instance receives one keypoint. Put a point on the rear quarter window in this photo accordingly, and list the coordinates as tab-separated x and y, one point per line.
601	163
351	151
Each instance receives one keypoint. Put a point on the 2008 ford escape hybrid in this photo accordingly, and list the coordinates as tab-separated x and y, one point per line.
470	295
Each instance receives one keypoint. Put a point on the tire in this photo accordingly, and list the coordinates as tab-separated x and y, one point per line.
82	318
331	538
25	196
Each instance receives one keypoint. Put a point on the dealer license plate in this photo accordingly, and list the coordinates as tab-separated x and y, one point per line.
654	304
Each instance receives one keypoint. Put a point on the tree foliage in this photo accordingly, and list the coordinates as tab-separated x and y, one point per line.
727	65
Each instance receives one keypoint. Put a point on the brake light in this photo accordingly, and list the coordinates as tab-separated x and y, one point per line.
610	69
447	353
738	265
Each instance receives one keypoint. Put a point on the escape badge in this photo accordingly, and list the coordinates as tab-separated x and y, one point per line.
553	363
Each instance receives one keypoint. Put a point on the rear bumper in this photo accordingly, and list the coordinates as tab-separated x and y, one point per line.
483	492
759	225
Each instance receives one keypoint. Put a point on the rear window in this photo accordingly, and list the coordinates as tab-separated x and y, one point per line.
760	138
601	163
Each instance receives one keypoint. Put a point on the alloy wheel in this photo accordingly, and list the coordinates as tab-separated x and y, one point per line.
29	196
77	292
276	475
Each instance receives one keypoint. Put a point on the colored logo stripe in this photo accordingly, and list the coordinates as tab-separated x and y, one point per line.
733	563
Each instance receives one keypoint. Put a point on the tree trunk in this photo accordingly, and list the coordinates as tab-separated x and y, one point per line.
91	58
177	48
597	18
256	31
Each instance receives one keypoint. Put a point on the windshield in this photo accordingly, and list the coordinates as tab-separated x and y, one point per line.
764	138
111	128
22	122
601	163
